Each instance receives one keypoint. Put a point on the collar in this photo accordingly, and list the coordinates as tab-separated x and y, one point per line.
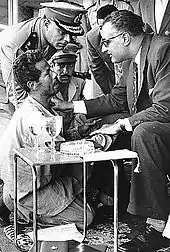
137	58
40	107
72	87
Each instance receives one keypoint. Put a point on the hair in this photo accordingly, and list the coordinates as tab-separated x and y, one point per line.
24	68
105	10
126	21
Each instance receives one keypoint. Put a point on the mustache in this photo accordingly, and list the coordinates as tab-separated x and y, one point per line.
65	45
61	45
65	76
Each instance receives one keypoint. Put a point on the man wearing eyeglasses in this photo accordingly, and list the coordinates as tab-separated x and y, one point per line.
146	92
148	99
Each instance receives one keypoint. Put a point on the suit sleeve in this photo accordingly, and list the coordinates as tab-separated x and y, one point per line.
102	74
112	103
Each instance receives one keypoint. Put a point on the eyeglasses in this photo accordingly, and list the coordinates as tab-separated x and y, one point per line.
106	42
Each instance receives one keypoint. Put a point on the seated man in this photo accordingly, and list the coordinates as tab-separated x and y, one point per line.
59	199
145	93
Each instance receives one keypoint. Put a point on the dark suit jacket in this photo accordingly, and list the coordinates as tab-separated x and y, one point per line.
153	101
146	9
100	64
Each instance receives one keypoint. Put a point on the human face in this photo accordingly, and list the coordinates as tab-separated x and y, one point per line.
47	85
56	36
113	43
64	71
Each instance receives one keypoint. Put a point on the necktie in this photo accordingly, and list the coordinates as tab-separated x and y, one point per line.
135	87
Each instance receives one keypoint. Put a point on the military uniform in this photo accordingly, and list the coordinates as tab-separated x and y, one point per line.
28	35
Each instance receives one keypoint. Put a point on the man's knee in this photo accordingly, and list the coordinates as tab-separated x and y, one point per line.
142	132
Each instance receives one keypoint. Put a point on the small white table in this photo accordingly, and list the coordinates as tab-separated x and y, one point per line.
46	158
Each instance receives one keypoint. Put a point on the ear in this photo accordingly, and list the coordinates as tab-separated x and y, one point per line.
46	22
127	38
32	85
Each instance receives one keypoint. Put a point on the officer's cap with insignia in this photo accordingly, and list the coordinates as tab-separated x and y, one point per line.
66	14
66	55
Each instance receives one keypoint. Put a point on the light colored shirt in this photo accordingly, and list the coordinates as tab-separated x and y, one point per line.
18	135
80	107
137	60
160	7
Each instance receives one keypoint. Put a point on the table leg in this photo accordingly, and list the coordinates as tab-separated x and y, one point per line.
34	173
15	201
115	166
84	201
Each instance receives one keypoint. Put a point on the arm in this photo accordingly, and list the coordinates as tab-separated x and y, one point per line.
102	73
114	102
81	96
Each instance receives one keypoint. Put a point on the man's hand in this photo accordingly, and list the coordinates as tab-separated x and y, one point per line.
60	105
109	129
113	129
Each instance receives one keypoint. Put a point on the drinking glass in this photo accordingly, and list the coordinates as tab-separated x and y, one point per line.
53	127
36	129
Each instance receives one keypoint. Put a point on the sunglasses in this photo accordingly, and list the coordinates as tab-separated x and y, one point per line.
106	42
